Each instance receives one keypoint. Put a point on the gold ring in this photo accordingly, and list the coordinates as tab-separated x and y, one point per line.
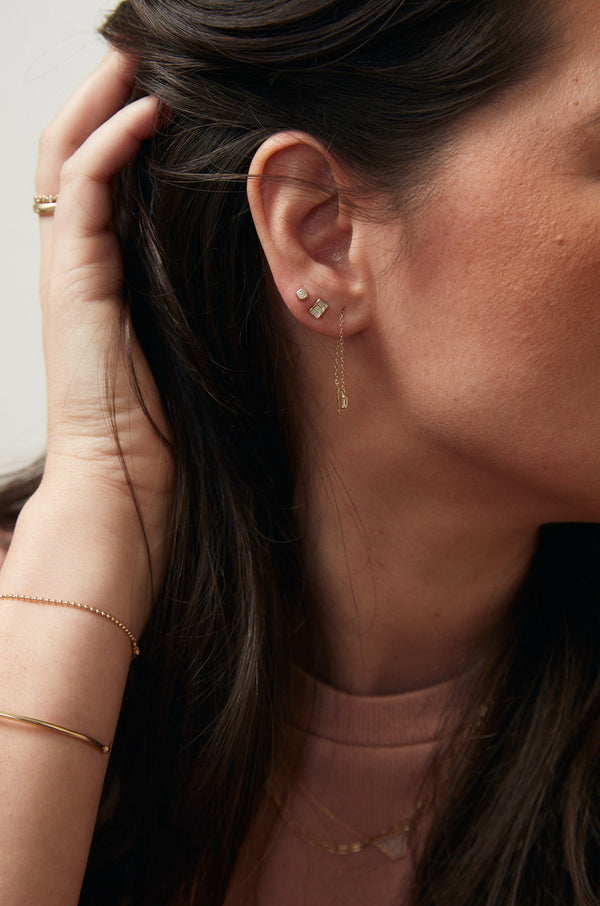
44	204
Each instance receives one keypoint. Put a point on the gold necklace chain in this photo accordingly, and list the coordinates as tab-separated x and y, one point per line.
391	842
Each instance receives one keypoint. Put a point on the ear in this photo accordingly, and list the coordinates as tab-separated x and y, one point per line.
310	239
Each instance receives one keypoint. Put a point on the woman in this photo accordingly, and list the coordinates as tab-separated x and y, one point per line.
349	451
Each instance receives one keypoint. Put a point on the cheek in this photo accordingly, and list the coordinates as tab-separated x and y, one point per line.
501	329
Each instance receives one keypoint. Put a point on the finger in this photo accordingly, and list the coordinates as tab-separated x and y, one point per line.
84	207
91	104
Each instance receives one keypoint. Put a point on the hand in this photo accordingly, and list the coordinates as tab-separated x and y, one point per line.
82	149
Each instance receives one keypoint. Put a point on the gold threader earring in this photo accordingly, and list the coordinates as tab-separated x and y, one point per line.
317	310
340	380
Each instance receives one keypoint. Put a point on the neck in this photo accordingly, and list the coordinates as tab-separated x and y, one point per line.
410	578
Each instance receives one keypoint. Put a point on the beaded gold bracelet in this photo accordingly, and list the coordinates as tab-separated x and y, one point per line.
35	722
59	602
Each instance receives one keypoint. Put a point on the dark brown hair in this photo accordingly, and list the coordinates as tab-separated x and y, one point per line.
382	85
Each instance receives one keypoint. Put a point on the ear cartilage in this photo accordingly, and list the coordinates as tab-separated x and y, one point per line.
302	294
319	309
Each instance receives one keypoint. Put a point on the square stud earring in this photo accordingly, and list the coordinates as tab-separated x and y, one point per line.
302	294
319	308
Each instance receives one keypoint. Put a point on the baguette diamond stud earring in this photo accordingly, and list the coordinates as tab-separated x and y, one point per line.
302	294
319	309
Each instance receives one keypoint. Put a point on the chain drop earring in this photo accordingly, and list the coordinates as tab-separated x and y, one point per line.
340	380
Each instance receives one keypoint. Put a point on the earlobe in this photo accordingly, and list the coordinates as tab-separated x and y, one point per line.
308	236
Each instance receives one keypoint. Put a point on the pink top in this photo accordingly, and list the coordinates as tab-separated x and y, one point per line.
359	778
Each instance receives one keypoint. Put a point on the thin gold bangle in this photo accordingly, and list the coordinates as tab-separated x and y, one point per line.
59	602
18	718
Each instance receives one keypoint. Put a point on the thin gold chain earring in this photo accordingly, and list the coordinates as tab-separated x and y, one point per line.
340	380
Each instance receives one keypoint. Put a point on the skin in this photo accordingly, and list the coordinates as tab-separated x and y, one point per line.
79	536
472	345
472	331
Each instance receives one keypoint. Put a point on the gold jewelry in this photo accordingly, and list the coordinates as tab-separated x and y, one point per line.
392	842
135	648
340	381
302	294
318	309
44	204
18	718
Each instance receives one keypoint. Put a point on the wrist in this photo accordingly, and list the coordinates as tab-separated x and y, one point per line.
85	548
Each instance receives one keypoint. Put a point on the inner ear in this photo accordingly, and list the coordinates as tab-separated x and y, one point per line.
326	235
294	199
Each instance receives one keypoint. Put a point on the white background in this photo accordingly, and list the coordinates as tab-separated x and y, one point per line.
46	48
